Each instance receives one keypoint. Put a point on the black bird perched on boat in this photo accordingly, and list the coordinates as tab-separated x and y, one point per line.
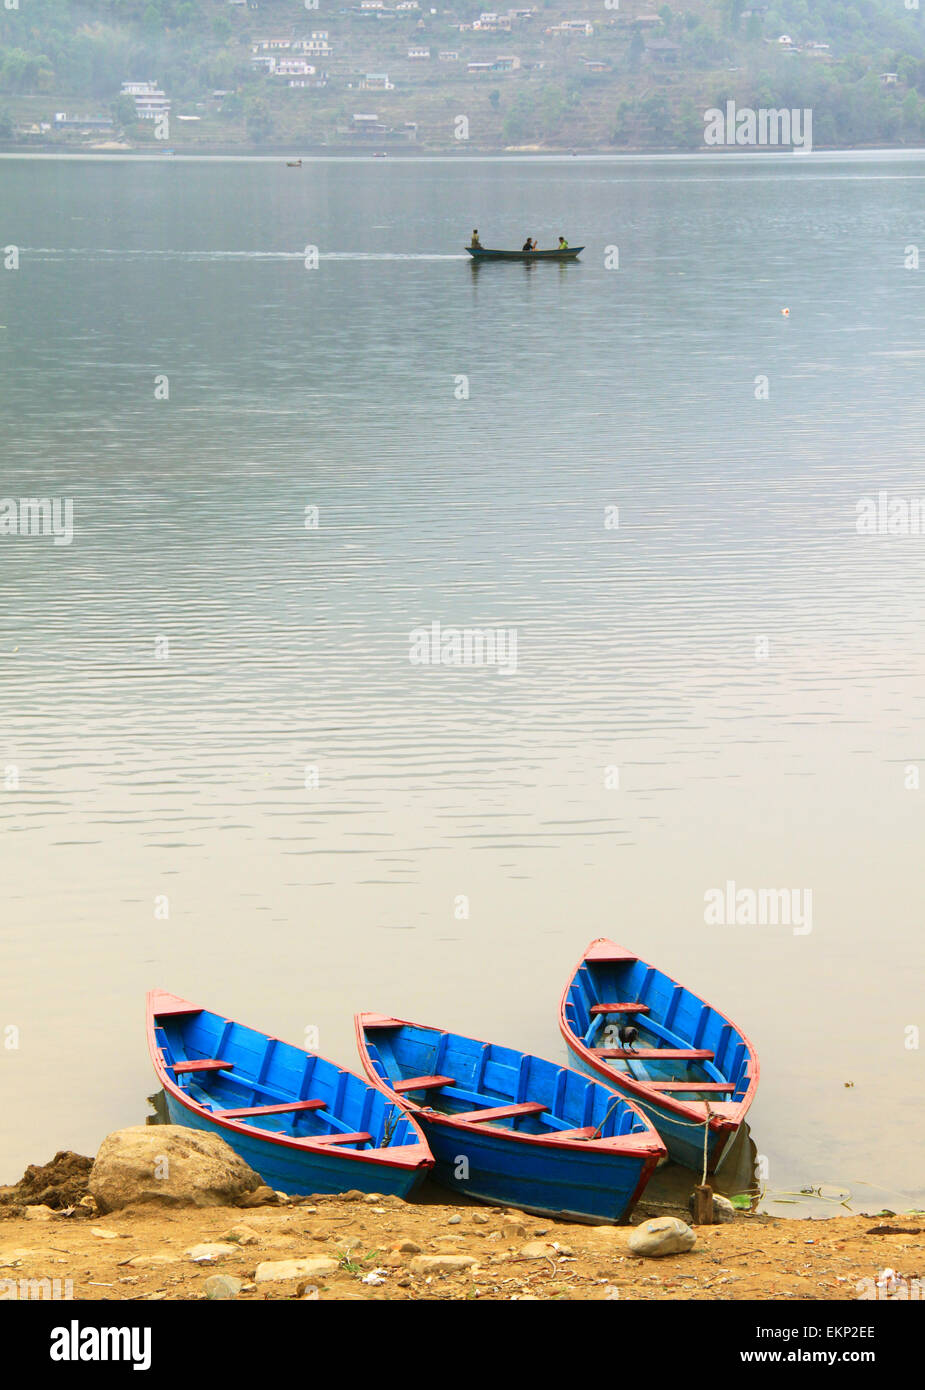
627	1035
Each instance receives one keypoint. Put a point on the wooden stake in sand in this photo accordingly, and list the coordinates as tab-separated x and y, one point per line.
703	1194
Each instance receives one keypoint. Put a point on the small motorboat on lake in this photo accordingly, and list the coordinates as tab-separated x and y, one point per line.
513	1129
679	1060
485	253
304	1124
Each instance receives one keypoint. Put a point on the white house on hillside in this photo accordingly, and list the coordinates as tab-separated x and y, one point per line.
150	101
317	44
571	26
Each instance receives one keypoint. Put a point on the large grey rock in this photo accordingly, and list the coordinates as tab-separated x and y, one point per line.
665	1235
168	1163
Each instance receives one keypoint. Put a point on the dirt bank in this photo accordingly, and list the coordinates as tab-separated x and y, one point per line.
143	1253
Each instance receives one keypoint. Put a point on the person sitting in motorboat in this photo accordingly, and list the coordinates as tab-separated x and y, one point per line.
563	244
529	244
475	243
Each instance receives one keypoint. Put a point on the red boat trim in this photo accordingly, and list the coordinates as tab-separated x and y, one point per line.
164	1003
405	1156
603	949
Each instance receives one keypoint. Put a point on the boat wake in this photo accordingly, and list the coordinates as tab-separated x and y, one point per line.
89	253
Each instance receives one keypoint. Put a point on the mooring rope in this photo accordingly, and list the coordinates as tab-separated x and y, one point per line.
706	1135
597	1132
687	1124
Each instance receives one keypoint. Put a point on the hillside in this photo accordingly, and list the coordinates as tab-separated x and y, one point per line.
278	74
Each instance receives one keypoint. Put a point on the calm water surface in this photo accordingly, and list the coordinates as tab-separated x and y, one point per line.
142	779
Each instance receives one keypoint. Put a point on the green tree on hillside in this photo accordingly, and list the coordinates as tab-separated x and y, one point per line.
123	111
519	125
25	72
257	117
688	126
731	14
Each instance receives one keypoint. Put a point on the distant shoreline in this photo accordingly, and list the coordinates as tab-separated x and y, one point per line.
319	152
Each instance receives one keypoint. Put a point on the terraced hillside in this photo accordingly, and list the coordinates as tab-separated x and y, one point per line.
602	75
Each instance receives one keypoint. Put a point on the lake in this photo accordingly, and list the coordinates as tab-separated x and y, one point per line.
296	425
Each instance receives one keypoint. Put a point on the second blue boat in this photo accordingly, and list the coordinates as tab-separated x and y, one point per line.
510	1128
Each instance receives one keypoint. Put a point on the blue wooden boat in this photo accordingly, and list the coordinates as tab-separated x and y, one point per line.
685	1060
485	253
304	1124
510	1128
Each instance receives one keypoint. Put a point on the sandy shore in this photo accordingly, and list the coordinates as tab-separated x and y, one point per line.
383	1248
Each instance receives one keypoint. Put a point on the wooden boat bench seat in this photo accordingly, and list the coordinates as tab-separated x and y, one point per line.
204	1064
422	1083
360	1137
248	1110
716	1087
658	1054
502	1112
618	1009
588	1132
